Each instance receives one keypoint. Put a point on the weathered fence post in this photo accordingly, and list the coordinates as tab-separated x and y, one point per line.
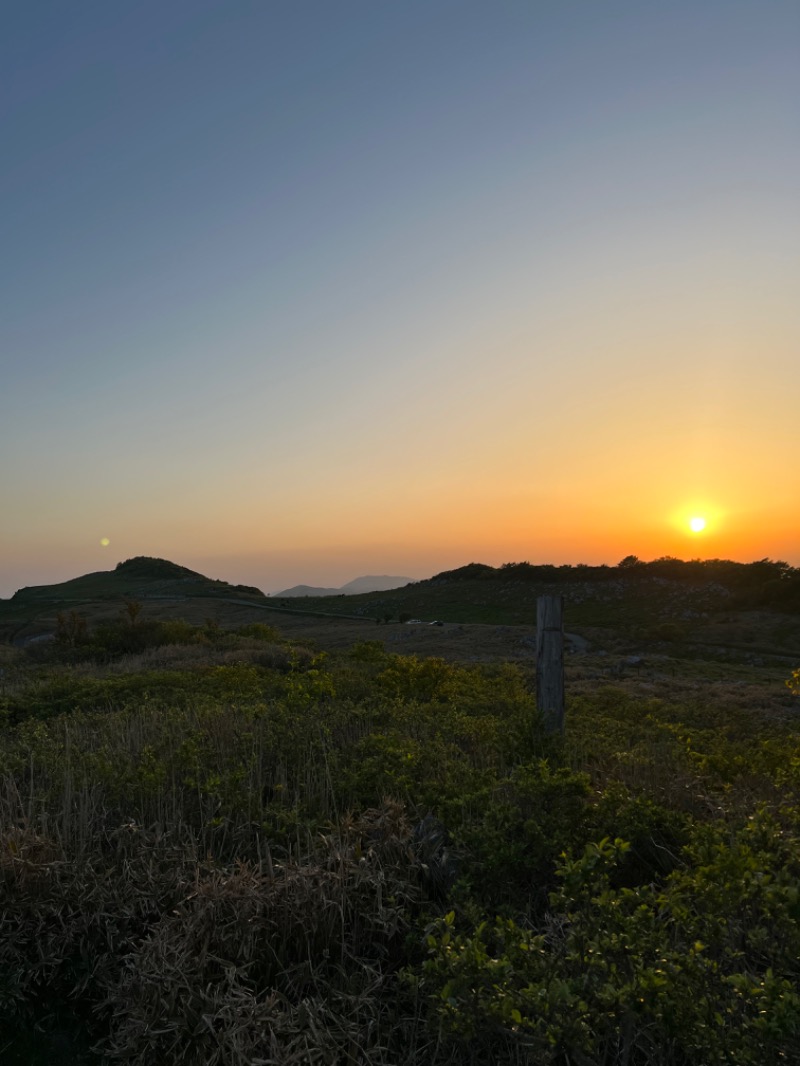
550	661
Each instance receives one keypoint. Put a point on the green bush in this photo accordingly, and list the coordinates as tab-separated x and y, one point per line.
703	970
514	831
260	631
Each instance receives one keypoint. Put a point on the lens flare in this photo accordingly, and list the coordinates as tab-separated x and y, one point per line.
104	541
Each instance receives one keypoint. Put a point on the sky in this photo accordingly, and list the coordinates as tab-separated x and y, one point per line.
297	291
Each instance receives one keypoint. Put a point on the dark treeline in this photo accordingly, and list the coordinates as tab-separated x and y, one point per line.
763	583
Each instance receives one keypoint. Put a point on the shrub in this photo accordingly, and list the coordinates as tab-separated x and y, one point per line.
71	629
260	631
516	831
643	976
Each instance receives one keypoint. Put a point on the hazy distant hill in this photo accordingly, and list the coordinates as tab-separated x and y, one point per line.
307	590
369	583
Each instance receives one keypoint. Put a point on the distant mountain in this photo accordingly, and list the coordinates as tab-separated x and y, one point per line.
307	590
370	583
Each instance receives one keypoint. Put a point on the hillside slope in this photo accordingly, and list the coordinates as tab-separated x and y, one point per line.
140	578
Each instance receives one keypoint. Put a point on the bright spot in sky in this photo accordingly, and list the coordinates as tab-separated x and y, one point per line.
697	525
105	541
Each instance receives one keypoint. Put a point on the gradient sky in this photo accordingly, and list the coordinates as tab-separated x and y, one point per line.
295	290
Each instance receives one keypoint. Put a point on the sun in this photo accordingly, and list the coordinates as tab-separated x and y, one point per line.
697	524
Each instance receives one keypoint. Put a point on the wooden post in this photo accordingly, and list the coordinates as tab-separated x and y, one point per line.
550	661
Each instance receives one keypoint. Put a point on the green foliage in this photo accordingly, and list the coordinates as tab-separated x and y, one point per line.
515	832
64	694
655	833
131	635
367	651
68	693
703	970
407	677
431	680
260	631
241	840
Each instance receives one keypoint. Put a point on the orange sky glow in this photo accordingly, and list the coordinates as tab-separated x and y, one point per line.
294	299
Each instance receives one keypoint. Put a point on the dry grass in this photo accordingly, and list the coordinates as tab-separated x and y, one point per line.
196	963
290	963
67	921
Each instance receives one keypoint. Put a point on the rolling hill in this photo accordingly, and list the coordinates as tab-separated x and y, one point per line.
752	609
141	578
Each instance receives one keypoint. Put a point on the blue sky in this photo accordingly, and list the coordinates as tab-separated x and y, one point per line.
296	291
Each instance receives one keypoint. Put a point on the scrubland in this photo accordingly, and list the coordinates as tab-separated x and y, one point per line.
223	847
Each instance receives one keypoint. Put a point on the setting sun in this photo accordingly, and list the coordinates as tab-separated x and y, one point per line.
588	334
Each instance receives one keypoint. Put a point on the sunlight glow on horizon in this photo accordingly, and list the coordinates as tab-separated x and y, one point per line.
397	288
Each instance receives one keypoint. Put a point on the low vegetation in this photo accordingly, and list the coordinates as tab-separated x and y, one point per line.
666	598
219	847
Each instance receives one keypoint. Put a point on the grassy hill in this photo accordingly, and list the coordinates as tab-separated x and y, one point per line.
755	604
141	578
